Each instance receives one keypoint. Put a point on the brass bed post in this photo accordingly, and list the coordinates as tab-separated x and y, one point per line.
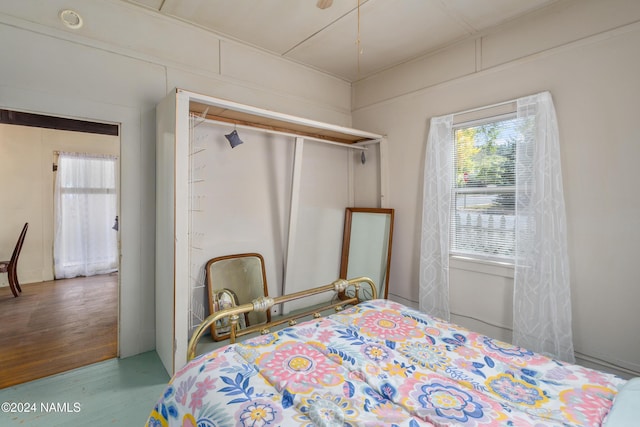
265	303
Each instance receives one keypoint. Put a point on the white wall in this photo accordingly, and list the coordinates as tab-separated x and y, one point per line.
585	52
116	68
241	201
324	193
26	159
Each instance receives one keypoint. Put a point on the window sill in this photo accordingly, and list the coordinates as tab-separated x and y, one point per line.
494	268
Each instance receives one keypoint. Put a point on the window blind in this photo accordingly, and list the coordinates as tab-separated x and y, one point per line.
483	206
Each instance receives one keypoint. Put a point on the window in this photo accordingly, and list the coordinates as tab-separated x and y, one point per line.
470	155
483	195
85	242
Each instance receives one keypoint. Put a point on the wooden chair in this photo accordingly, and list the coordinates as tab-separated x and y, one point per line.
11	267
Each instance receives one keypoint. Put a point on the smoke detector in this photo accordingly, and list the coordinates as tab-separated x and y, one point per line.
71	19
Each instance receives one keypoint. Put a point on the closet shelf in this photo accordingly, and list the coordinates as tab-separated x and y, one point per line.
234	113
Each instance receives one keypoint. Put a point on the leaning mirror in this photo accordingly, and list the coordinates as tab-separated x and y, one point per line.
235	280
366	246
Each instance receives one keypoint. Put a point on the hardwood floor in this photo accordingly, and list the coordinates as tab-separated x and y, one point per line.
56	326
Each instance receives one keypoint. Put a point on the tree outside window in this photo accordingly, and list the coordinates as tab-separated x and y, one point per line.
483	209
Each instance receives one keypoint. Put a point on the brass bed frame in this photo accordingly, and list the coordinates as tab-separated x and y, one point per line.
340	286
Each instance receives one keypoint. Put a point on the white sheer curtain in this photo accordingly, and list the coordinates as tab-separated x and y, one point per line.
85	205
542	301
541	296
434	248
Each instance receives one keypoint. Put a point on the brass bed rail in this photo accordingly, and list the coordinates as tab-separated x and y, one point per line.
265	303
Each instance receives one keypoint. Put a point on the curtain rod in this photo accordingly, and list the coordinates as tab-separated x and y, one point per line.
497	104
485	107
86	154
353	146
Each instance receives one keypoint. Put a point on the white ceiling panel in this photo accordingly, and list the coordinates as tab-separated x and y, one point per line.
391	31
274	25
153	4
488	13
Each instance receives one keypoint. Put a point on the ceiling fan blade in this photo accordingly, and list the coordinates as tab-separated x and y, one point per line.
323	4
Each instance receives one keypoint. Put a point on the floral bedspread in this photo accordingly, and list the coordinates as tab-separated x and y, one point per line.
382	364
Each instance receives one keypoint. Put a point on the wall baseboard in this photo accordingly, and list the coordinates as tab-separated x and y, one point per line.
603	365
402	300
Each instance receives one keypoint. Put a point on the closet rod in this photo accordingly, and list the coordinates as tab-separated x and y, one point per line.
291	134
367	142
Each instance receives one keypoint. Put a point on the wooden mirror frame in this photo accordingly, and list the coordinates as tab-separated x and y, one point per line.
216	290
346	245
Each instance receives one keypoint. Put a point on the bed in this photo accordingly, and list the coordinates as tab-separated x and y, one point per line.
379	363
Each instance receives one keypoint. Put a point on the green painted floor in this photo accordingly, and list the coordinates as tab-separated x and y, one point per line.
118	392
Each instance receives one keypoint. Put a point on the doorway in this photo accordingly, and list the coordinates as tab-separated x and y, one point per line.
27	146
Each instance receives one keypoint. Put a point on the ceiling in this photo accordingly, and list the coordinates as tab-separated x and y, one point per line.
390	31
